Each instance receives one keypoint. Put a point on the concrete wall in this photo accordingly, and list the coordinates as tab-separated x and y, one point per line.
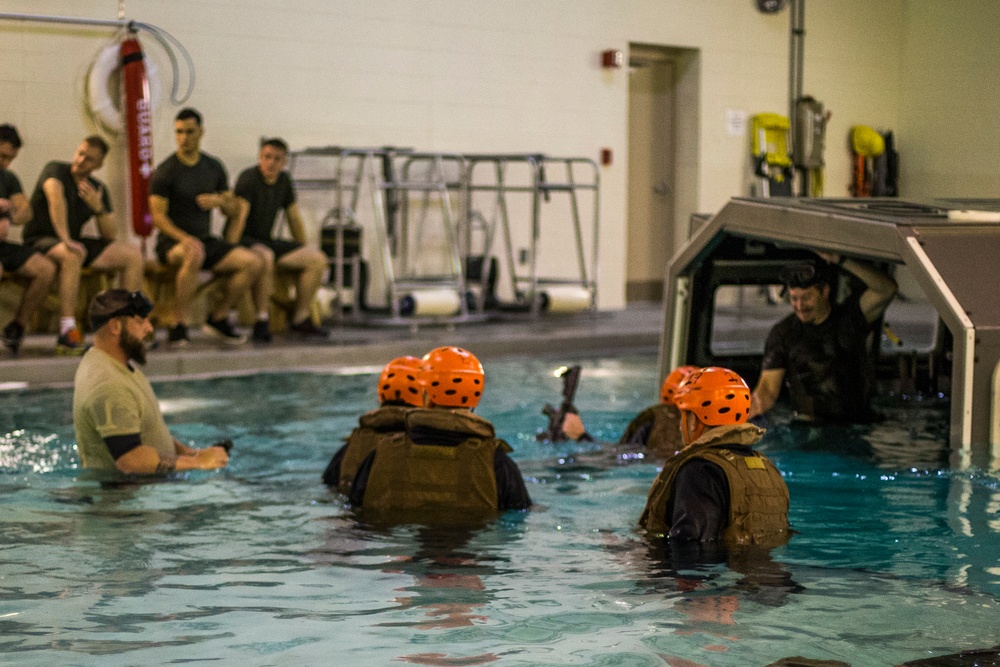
949	137
454	75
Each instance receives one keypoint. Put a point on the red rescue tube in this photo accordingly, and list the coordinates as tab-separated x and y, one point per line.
138	132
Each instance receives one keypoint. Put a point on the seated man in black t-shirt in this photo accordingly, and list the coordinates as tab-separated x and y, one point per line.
37	269
65	199
261	192
184	189
820	351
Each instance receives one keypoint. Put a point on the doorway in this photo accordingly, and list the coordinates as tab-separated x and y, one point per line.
662	110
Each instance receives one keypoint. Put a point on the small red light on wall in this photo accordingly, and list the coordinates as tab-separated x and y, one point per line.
606	157
612	59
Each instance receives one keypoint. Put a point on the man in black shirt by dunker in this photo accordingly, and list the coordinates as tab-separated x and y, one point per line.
820	351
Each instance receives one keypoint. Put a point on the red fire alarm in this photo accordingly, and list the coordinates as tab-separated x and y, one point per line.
612	59
606	156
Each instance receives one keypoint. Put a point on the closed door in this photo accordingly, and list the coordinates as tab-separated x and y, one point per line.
650	173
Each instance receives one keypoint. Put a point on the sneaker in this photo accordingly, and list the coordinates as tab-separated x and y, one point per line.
13	336
307	328
223	330
177	336
261	332
71	343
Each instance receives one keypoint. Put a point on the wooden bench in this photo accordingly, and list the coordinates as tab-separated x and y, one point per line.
92	281
161	285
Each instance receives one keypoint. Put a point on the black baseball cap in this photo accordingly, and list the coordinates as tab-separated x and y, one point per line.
113	303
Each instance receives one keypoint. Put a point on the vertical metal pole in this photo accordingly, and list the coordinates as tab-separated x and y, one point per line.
796	65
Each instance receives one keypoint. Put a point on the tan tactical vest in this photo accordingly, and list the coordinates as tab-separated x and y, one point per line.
664	438
407	476
372	427
758	497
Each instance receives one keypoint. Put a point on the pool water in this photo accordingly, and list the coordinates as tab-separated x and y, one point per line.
894	558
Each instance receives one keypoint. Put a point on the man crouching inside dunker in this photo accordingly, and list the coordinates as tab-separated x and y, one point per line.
118	423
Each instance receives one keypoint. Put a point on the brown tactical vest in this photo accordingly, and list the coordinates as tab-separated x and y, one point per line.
664	438
758	497
407	476
372	427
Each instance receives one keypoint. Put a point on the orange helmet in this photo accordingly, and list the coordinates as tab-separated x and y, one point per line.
453	377
716	396
400	381
674	380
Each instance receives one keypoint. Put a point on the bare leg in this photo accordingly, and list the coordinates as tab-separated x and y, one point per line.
42	272
70	263
122	257
188	262
310	263
243	266
264	287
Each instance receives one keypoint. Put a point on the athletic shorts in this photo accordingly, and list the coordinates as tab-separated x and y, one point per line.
280	247
94	247
14	255
215	250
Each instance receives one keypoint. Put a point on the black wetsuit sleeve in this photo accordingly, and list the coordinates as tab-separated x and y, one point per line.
331	476
360	483
699	506
120	445
512	494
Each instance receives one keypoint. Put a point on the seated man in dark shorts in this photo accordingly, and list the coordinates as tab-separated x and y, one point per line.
184	189
17	259
65	199
820	351
261	192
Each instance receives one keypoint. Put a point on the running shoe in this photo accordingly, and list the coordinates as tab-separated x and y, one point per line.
13	336
223	330
307	328
177	336
261	332
71	343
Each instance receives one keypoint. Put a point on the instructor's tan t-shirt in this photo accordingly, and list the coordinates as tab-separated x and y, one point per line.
112	399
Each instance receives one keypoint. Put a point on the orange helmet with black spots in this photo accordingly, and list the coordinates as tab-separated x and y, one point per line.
400	382
453	377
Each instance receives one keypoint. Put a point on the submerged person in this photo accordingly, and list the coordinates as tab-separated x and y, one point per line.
656	429
399	391
820	351
448	460
718	488
117	419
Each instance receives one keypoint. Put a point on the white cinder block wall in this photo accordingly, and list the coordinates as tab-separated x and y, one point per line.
489	76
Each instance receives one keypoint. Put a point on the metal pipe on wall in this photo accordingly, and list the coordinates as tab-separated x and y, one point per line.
796	58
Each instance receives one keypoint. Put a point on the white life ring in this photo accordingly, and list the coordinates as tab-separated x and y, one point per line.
104	77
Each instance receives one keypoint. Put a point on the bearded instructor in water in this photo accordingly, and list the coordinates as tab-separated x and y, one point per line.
118	423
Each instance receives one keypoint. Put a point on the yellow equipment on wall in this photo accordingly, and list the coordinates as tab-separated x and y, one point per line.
772	165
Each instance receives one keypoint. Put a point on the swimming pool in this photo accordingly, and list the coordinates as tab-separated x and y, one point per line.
895	558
